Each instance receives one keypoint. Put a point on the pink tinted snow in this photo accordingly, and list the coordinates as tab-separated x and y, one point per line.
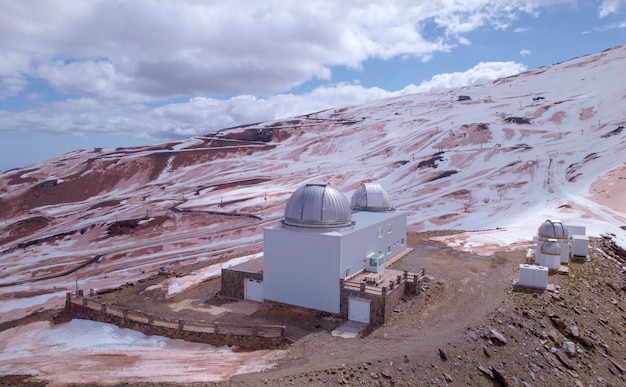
84	351
557	117
586	113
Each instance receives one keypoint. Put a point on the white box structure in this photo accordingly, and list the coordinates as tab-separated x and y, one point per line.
580	246
576	230
533	276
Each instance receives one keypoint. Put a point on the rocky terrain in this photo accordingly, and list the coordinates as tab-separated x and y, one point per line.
471	327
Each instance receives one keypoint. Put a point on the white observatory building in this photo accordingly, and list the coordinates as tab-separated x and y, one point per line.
550	232
324	239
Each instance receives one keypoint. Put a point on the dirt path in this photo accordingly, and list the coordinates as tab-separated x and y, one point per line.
466	288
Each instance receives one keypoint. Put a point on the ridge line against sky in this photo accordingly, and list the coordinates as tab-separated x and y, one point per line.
85	74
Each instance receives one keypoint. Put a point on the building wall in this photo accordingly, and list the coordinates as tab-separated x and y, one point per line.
386	234
301	268
381	305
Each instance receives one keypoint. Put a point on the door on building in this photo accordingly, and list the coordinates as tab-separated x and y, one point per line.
253	290
359	310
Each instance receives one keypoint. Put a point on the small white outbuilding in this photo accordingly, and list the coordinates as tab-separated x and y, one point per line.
579	241
554	230
533	276
580	246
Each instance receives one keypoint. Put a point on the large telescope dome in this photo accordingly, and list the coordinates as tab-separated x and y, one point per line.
318	206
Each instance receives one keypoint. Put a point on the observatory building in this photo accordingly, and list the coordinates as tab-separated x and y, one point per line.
551	232
323	242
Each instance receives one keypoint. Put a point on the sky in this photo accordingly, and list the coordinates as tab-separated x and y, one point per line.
107	74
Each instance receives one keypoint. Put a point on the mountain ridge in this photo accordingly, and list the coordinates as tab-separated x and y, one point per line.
502	155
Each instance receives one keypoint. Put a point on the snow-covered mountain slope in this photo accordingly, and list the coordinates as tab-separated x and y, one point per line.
502	156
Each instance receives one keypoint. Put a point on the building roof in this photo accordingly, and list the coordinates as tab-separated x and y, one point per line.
318	205
371	197
552	229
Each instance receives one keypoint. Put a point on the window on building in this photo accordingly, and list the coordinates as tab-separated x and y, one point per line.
388	249
380	232
389	229
402	242
347	272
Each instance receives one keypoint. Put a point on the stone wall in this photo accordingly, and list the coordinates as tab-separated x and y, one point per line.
233	283
383	300
214	333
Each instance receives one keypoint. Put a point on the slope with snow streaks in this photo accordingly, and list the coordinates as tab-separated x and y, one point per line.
522	149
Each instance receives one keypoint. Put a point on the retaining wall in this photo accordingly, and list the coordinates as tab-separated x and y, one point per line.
214	333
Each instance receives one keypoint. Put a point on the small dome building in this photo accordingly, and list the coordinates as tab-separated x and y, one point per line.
554	231
549	254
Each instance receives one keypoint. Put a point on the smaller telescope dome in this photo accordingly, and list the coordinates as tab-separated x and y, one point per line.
551	247
371	197
552	229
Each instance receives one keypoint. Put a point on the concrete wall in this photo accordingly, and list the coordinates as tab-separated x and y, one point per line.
301	268
384	232
384	300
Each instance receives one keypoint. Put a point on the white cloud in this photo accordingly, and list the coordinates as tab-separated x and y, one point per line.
200	115
608	27
141	50
609	7
482	72
524	52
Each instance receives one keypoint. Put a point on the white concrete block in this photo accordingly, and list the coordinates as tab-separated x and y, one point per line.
576	230
533	276
580	246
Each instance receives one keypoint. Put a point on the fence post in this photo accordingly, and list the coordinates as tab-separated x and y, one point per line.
84	301
103	311
362	286
181	324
